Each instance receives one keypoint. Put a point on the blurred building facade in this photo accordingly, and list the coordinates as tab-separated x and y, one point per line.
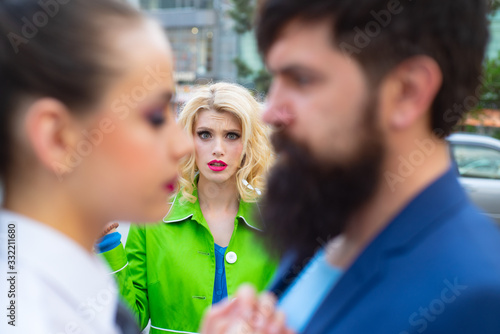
202	37
205	43
203	40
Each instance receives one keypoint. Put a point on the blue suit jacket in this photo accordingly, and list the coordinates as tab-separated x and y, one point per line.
434	269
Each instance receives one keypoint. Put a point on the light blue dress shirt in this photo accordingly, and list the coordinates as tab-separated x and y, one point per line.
306	294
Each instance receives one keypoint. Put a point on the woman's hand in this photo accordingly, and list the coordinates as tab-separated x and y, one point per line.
109	229
247	313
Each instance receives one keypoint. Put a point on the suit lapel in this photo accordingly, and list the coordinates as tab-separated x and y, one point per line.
420	218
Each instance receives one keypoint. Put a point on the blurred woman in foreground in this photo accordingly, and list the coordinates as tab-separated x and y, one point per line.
87	136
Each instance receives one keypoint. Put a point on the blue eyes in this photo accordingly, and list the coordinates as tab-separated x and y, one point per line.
208	135
232	136
204	135
157	117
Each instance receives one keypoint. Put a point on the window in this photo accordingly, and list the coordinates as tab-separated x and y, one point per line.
193	50
169	4
477	161
206	4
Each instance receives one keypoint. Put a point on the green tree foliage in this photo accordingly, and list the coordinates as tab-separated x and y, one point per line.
490	89
489	97
262	80
242	13
242	68
494	5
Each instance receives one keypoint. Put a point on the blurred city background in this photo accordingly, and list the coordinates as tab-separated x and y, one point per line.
213	41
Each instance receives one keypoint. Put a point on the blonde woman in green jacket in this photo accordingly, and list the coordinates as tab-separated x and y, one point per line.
210	240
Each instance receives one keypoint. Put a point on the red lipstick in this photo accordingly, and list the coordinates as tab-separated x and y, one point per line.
217	165
170	186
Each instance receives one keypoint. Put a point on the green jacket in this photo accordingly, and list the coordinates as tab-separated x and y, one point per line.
166	272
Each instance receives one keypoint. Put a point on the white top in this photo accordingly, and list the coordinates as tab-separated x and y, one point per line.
58	287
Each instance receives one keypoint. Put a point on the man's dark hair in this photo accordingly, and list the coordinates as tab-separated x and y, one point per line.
380	34
55	49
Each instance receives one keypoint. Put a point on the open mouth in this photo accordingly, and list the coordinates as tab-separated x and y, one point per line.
217	165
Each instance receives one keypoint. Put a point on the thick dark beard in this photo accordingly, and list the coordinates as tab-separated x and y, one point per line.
309	202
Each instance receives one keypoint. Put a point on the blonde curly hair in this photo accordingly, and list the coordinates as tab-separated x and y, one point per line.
257	155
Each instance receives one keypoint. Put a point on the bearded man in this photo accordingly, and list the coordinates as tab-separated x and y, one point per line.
364	200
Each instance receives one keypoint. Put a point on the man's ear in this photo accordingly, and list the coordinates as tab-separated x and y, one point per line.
51	131
414	85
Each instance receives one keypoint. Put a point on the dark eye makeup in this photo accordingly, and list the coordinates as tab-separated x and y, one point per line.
233	135
157	117
204	134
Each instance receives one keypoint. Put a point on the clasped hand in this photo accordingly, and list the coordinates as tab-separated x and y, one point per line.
247	313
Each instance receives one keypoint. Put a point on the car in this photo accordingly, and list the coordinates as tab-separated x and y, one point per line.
477	161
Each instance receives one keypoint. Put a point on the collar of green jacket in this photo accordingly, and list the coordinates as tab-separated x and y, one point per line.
181	211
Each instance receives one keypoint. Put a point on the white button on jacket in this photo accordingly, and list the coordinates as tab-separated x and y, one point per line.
231	257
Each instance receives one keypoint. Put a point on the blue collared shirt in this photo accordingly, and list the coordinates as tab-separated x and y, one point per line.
220	285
